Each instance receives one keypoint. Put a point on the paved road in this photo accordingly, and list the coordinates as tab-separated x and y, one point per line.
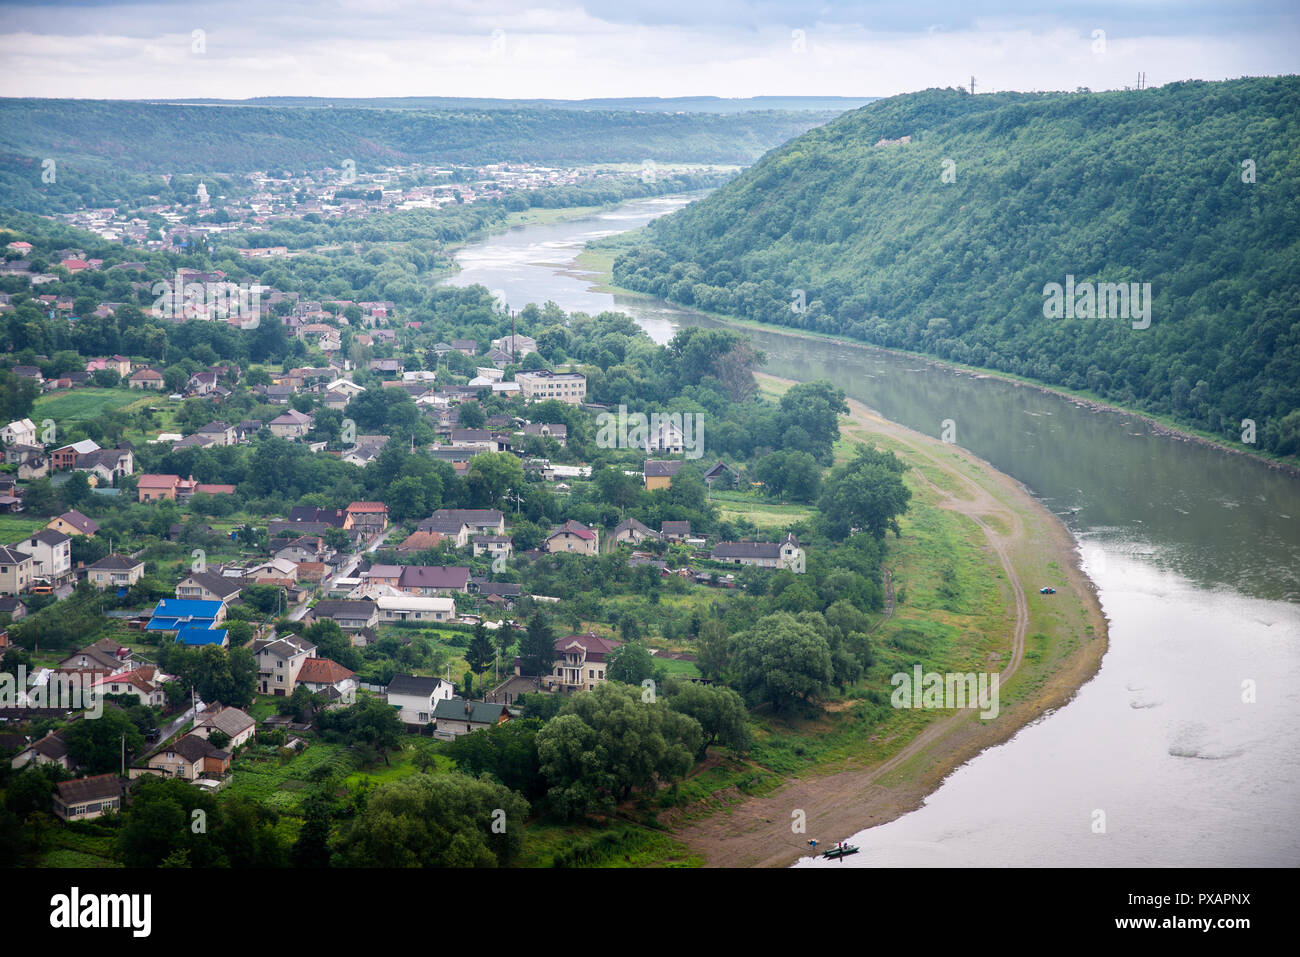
344	572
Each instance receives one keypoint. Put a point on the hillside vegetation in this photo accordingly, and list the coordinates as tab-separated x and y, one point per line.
104	150
944	244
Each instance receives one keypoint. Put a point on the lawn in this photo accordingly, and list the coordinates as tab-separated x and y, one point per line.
77	404
16	527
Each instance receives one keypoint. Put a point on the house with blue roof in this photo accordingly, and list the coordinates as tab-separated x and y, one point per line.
196	637
177	614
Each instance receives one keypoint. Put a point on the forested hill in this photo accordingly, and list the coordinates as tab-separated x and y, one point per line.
944	244
100	141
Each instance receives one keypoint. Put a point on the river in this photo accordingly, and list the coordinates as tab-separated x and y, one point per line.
1185	740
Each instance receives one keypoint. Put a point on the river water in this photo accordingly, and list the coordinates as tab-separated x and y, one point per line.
1196	556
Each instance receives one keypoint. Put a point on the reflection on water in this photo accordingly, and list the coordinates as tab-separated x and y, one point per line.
1196	555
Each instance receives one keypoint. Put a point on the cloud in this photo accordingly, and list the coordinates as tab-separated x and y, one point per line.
528	48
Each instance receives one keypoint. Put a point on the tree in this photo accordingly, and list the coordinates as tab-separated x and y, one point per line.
867	493
606	743
218	674
264	598
480	653
471	415
96	744
505	640
333	643
630	664
713	650
312	849
491	475
158	824
506	751
815	408
76	490
406	498
781	661
369	722
448	820
537	648
720	712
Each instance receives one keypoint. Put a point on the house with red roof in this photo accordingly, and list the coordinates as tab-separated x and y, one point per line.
573	537
323	676
371	517
144	683
580	662
155	488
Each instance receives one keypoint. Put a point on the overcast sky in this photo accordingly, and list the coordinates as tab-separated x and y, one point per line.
577	49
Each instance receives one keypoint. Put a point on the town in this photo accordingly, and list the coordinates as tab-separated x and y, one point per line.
353	530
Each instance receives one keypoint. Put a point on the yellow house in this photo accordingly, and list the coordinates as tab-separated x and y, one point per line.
659	474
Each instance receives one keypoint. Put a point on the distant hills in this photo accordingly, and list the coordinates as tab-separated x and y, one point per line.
935	222
657	104
102	150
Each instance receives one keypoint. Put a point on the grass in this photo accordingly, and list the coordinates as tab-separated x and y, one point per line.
766	515
16	527
77	404
618	844
278	782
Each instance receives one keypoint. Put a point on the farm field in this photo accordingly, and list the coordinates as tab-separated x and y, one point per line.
79	404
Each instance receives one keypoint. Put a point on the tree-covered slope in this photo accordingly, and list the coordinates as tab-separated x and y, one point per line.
944	244
103	150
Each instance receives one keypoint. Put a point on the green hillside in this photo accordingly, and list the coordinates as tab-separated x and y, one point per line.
106	150
893	245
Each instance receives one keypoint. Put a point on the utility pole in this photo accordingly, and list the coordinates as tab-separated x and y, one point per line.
972	85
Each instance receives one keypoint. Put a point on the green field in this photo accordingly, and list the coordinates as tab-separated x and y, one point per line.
79	404
15	527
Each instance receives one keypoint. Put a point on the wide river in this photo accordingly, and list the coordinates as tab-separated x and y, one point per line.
1186	739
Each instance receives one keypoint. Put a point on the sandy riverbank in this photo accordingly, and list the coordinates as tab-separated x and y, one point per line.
1023	538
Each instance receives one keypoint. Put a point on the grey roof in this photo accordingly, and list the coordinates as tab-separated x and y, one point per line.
232	721
416	685
458	709
219	585
637	526
192	748
361	608
655	468
101	787
116	562
286	646
747	550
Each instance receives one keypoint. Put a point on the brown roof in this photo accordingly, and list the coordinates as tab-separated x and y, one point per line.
101	787
323	671
418	541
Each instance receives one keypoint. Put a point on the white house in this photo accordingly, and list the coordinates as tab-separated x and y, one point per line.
415	608
19	432
51	554
416	697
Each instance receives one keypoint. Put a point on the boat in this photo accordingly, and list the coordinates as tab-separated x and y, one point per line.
838	852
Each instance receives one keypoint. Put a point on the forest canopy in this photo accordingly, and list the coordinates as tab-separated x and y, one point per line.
943	244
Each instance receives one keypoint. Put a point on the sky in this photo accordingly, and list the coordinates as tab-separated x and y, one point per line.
569	49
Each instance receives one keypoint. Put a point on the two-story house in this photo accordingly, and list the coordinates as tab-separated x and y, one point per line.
51	554
279	661
415	697
580	662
